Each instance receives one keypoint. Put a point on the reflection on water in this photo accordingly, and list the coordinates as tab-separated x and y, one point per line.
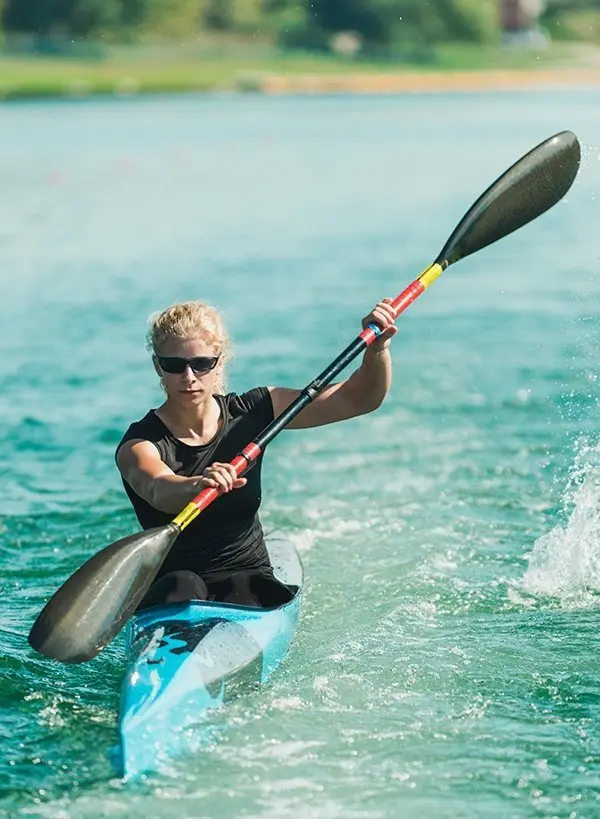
445	663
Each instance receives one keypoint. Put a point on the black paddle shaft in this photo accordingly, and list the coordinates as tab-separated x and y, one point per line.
90	608
313	389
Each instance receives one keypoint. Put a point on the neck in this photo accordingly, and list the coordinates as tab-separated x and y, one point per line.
199	420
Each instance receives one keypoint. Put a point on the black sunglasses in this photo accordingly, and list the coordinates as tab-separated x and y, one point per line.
198	363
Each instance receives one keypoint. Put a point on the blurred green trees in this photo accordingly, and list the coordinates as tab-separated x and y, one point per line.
405	21
375	24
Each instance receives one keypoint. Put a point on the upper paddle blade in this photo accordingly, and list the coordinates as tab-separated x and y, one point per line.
91	607
529	188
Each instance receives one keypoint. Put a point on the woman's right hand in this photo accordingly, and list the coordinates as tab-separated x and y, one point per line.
222	477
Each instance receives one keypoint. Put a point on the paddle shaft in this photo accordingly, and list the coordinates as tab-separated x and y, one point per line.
92	605
250	453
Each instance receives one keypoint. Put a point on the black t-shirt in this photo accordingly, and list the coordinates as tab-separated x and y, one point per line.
227	536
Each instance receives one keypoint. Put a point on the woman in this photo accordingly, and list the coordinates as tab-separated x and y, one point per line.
184	446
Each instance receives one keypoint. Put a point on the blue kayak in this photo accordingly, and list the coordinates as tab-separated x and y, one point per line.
186	658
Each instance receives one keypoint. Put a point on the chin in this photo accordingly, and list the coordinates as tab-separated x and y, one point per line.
191	396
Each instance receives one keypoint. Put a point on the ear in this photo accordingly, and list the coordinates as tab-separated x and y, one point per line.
218	372
159	372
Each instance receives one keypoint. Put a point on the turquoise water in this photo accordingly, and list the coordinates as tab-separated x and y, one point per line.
447	659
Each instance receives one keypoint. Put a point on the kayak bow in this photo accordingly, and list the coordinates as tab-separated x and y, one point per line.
185	659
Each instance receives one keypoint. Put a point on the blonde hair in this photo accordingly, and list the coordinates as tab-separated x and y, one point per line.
191	319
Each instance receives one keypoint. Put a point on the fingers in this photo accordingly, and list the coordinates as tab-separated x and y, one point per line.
383	314
222	477
390	332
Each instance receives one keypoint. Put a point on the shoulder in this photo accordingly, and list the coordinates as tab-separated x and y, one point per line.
149	428
256	400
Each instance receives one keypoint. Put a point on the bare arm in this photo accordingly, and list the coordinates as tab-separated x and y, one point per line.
141	466
363	392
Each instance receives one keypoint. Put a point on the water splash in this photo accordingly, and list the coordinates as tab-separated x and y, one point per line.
565	562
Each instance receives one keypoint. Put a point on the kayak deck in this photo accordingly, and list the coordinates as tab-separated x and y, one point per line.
187	658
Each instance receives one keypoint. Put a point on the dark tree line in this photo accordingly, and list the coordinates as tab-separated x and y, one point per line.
307	23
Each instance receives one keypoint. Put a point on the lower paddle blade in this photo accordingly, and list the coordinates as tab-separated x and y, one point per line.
529	188
91	607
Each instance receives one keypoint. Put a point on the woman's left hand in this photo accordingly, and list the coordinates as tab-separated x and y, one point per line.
383	315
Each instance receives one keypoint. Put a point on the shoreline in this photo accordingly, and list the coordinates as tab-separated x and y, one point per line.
83	82
431	82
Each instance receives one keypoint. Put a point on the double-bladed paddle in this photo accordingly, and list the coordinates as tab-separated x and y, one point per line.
91	607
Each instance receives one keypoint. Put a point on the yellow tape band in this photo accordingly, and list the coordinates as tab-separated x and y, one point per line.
186	516
431	274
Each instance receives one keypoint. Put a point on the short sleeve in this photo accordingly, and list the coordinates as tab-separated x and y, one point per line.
148	429
256	402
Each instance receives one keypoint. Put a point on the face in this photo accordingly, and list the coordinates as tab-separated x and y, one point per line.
188	387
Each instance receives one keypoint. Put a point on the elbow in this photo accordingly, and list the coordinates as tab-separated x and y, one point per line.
153	498
374	404
369	402
157	500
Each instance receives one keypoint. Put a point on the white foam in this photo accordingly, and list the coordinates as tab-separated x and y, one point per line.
565	562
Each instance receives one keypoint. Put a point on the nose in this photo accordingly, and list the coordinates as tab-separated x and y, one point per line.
188	374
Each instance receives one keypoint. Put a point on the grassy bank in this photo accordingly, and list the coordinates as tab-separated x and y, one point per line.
137	71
